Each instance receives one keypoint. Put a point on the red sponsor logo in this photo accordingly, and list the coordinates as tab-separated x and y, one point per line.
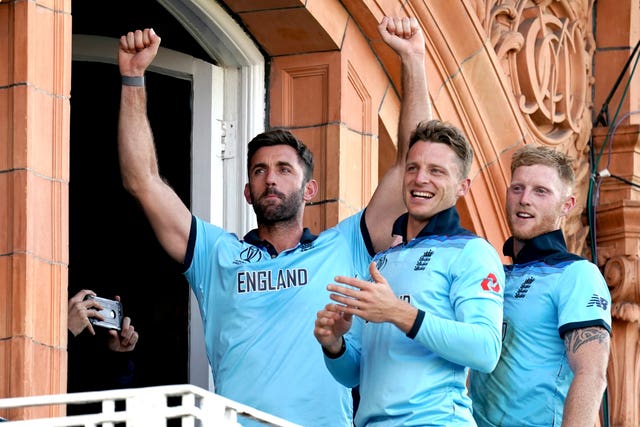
490	283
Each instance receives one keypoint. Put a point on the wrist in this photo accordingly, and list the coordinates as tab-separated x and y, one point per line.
334	352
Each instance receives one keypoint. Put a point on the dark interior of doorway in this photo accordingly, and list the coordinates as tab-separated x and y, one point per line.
112	249
117	17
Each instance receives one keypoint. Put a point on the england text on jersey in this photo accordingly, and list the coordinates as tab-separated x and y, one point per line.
264	281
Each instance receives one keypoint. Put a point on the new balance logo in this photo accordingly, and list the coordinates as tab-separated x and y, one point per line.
423	261
524	288
598	301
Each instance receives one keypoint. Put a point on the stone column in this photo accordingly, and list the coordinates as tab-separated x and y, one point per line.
618	241
35	72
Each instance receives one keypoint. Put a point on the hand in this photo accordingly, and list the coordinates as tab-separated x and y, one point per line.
136	51
127	338
373	301
80	310
331	324
403	35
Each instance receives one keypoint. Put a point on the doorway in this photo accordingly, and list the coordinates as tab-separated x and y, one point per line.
206	99
113	250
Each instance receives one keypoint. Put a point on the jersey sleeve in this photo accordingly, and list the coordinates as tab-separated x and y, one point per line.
583	298
474	337
202	267
353	230
346	368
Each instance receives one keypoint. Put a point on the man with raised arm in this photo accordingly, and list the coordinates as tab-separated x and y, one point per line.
258	295
431	308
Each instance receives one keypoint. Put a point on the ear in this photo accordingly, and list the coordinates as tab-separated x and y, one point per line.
247	193
568	204
310	190
463	188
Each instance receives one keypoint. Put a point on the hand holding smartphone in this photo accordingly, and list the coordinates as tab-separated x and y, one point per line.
111	312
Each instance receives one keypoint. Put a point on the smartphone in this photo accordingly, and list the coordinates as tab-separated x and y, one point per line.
111	311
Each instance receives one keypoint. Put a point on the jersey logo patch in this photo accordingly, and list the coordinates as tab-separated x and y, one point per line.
524	287
250	254
598	301
423	260
490	283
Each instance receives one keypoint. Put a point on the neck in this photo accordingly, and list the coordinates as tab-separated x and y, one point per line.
282	235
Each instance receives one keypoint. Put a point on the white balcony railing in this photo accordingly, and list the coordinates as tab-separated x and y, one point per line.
145	407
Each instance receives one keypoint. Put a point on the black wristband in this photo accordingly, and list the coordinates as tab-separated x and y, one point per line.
133	81
416	325
343	348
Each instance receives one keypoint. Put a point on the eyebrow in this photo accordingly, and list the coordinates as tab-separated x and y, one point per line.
526	184
264	165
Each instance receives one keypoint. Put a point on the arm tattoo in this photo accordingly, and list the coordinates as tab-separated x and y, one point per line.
574	339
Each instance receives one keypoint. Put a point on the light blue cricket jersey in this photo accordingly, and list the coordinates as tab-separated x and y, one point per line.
549	292
456	280
259	311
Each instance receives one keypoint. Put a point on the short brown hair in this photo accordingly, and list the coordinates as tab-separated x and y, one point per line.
445	133
530	155
274	137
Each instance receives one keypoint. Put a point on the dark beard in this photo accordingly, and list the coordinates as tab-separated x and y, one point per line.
269	214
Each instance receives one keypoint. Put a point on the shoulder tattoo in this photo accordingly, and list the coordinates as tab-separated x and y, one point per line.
574	339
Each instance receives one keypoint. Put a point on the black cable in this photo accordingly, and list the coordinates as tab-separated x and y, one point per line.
603	115
626	181
321	202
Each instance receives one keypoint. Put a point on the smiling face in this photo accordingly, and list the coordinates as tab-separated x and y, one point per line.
432	182
537	199
276	187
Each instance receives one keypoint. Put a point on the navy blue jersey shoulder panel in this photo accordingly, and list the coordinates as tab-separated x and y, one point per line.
549	247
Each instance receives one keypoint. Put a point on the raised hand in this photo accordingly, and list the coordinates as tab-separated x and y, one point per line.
403	35
136	51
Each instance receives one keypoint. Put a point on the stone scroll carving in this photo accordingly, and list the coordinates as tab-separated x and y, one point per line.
545	48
